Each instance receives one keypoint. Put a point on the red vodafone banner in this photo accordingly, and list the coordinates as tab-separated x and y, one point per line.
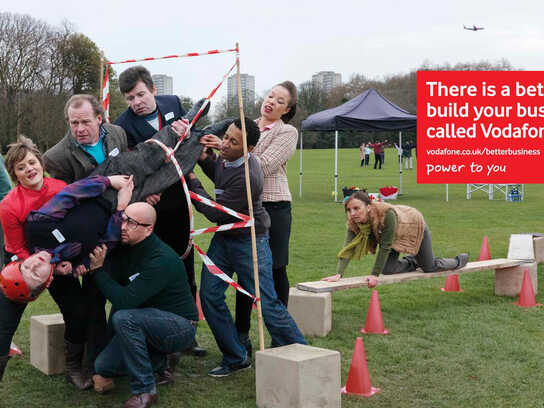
480	127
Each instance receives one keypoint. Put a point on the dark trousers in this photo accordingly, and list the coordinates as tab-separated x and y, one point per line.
280	231
378	159
424	259
367	159
173	228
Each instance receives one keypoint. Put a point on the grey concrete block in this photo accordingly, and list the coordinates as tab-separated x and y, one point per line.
508	280
538	244
521	247
47	343
298	376
312	311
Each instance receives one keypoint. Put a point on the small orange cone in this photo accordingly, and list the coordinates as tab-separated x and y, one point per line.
527	294
14	350
358	382
374	320
452	284
484	251
199	308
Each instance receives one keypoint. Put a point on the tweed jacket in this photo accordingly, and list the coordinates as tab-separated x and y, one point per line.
69	162
273	150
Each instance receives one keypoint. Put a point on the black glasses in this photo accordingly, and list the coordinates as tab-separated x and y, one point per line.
132	223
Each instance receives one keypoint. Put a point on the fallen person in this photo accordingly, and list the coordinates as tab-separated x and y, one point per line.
396	229
67	230
32	190
152	173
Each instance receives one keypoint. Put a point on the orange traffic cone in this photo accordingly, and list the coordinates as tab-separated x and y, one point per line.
452	284
14	350
374	320
484	251
527	294
358	380
199	308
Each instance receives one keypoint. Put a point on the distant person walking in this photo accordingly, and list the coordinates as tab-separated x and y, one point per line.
368	152
362	154
378	153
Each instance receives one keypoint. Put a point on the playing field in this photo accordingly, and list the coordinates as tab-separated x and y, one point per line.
444	350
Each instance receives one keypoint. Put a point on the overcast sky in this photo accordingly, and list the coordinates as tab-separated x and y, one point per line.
290	39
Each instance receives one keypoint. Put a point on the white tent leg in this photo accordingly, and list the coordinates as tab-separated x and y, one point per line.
447	191
400	163
300	172
336	165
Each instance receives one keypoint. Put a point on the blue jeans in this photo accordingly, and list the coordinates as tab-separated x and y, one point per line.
234	254
142	339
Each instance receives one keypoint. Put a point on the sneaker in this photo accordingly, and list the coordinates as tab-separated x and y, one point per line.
462	260
223	371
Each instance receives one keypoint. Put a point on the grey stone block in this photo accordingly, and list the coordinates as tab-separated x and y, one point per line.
312	311
508	280
298	376
47	343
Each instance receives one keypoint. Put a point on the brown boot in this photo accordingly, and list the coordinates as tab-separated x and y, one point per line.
3	363
141	401
102	384
75	373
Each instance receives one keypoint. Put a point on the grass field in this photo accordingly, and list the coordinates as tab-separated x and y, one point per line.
444	350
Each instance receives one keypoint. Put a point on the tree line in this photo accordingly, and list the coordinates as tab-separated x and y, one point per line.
42	65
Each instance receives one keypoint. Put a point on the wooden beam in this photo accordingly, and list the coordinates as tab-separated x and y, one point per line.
360	281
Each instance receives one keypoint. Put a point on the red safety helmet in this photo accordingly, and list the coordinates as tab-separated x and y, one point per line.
14	286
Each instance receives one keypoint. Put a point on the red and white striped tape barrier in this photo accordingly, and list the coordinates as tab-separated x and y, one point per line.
189	54
206	102
214	270
246	222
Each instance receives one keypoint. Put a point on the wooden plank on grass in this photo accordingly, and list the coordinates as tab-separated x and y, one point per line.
360	281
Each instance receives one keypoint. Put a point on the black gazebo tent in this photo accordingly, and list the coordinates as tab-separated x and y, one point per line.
369	111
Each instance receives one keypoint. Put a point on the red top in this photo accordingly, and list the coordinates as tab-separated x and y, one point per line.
16	206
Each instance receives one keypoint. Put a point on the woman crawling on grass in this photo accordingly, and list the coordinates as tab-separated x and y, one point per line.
396	228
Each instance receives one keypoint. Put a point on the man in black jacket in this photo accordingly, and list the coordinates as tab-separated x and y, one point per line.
146	114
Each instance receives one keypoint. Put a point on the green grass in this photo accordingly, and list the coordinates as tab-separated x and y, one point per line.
444	350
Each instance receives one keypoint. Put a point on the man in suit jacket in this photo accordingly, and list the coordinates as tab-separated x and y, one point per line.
146	114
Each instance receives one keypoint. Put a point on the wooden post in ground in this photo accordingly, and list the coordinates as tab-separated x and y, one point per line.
250	204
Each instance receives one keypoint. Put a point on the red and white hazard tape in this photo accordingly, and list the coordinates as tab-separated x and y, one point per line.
189	54
211	203
214	270
206	102
246	222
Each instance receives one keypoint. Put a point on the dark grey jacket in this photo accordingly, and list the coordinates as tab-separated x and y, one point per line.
230	191
68	162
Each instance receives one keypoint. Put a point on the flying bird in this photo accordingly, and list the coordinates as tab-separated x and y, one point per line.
473	28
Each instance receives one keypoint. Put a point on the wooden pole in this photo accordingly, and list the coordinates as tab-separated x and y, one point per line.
250	204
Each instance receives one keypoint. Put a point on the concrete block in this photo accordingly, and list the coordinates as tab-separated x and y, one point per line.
298	376
521	247
538	244
508	280
47	343
312	311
